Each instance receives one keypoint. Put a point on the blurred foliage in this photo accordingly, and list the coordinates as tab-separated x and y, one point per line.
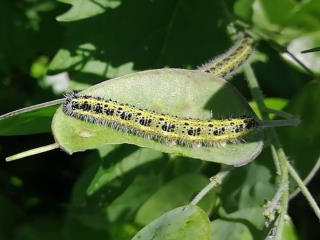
47	47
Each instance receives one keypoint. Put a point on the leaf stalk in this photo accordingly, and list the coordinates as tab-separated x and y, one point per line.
33	152
214	181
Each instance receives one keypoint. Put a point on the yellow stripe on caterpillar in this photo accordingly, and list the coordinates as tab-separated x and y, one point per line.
226	64
157	126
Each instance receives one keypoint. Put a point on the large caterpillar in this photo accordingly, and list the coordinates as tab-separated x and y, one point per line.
153	125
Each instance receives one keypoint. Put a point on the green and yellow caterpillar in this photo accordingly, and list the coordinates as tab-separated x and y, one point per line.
226	64
153	125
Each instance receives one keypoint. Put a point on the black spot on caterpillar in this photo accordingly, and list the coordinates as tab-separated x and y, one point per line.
157	126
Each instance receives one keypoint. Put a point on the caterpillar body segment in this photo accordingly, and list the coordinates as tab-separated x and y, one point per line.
226	64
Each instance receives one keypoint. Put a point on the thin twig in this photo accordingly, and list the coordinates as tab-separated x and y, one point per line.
311	50
310	176
31	108
33	152
214	181
280	123
284	182
279	113
275	159
304	190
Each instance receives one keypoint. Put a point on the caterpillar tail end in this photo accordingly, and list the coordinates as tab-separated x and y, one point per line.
32	152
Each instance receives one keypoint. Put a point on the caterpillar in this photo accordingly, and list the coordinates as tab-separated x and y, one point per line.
157	126
226	64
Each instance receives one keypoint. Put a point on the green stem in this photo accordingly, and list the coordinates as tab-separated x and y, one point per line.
279	113
214	181
33	152
280	123
275	159
310	176
273	206
304	190
284	182
31	108
281	157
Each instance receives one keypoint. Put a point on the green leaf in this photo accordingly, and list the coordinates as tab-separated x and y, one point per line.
302	142
270	12
249	186
311	60
125	159
283	20
183	223
245	224
289	232
82	9
188	93
243	9
243	193
29	120
180	190
90	211
115	196
304	14
125	206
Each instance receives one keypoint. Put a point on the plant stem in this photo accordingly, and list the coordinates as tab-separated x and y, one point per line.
33	152
304	190
311	50
284	182
310	176
280	123
214	181
275	159
273	206
31	108
280	113
281	157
